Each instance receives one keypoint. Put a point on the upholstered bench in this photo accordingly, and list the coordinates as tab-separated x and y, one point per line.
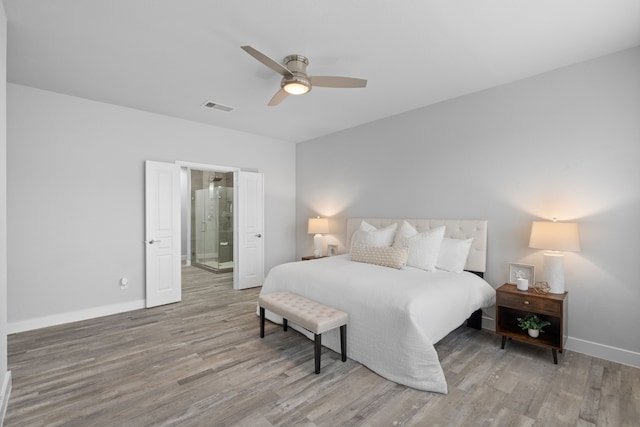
310	315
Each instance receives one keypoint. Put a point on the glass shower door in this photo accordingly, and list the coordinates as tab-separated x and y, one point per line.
206	235
225	227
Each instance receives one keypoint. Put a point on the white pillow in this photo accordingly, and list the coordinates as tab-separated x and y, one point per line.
404	233
453	254
424	249
368	235
365	226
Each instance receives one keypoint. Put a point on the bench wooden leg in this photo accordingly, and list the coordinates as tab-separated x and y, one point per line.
284	325
343	342
261	322
317	349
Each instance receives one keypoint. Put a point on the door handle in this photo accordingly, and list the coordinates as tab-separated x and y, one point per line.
258	235
152	241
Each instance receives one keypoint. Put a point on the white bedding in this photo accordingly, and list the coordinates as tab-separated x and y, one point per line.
395	316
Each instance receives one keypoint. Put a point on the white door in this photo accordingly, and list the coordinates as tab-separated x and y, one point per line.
162	233
250	254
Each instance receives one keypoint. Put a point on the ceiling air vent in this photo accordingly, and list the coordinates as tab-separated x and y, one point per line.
216	106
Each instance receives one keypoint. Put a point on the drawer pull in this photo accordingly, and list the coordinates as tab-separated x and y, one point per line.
526	303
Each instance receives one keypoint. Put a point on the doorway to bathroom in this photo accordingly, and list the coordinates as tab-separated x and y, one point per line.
212	225
169	219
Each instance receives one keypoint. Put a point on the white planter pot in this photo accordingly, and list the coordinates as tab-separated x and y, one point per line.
534	333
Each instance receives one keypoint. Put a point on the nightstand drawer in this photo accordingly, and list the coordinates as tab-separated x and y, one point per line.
529	302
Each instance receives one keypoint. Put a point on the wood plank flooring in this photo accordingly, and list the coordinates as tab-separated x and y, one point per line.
201	362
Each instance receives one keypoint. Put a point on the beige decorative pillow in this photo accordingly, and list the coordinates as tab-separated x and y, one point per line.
386	256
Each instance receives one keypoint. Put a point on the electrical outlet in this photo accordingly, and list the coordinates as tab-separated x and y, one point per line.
124	283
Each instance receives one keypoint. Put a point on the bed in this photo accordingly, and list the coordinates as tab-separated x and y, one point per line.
396	315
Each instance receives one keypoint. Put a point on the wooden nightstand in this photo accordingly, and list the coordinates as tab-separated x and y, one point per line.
310	257
512	303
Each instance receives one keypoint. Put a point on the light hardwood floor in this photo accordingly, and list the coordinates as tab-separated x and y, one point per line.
201	363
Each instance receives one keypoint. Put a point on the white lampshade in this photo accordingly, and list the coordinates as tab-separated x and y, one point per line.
318	225
554	236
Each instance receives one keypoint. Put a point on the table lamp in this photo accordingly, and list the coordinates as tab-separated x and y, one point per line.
554	237
318	226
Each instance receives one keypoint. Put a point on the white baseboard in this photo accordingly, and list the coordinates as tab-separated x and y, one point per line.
602	351
488	323
4	396
72	316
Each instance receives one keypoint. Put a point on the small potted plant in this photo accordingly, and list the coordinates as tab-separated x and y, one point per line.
533	324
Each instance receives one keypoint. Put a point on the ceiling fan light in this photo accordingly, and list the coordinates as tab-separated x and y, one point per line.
296	88
298	84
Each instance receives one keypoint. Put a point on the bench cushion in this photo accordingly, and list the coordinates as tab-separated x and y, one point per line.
311	315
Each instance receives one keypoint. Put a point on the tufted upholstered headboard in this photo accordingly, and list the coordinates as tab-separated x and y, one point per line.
455	229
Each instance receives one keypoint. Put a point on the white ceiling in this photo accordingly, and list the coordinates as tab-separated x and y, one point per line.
170	56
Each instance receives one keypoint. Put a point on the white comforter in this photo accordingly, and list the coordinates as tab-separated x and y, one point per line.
395	316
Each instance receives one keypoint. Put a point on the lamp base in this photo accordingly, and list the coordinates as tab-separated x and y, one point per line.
554	272
317	244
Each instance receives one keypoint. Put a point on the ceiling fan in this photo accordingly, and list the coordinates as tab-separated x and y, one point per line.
294	76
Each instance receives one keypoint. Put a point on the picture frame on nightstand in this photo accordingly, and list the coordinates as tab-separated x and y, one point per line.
521	271
332	250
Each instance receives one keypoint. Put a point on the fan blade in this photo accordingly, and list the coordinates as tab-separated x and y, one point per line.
280	96
274	65
334	81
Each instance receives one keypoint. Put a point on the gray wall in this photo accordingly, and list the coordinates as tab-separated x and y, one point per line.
76	193
563	144
3	204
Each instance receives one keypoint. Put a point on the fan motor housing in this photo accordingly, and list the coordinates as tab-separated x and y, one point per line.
297	64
